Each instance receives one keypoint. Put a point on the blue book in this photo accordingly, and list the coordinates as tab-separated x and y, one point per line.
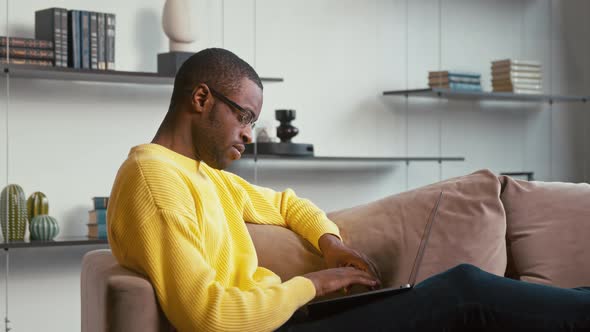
74	56
464	86
97	216
453	73
96	231
85	39
100	202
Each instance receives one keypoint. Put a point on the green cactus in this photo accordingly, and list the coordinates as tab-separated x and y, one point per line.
43	227
37	204
13	213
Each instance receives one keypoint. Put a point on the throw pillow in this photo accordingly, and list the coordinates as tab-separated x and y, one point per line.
470	228
548	227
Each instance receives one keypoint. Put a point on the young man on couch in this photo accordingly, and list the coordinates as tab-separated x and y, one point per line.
177	218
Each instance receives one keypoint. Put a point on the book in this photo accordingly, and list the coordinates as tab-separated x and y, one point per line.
27	53
510	62
445	73
521	91
48	27
100	202
110	41
515	68
36	62
93	40
516	74
85	39
74	56
65	31
26	42
517	86
456	79
97	231
102	64
97	216
459	86
517	80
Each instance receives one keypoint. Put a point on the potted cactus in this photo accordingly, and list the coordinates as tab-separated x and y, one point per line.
13	212
37	204
43	227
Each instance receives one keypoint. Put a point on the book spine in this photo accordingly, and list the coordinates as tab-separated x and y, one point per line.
85	39
26	42
27	53
36	62
93	40
97	231
48	27
57	37
73	54
98	216
100	202
110	41
512	75
465	86
64	36
455	79
102	64
441	74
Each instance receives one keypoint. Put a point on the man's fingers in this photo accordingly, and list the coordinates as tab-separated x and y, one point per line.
365	265
361	277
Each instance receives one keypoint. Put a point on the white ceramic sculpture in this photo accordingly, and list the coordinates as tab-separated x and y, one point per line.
179	25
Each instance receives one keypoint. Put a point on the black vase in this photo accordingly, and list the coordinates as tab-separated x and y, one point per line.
286	131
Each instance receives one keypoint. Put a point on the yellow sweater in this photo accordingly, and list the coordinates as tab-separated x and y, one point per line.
181	223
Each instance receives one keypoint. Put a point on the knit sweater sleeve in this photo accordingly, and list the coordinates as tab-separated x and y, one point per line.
266	206
167	250
163	239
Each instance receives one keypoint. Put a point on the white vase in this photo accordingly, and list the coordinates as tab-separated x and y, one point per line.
178	22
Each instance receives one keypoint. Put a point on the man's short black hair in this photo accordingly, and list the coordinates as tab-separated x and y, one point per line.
218	68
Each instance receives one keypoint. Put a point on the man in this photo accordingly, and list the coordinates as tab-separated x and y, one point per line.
177	218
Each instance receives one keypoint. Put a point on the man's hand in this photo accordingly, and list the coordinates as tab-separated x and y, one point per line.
331	280
337	254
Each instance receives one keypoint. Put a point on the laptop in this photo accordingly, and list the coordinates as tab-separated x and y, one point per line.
331	306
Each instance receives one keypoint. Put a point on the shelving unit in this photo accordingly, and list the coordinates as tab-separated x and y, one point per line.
483	95
352	159
83	75
58	242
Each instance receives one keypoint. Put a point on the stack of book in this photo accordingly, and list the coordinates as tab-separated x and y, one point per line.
455	80
81	39
97	218
517	76
18	50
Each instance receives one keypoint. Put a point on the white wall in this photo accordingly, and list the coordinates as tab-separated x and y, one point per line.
67	139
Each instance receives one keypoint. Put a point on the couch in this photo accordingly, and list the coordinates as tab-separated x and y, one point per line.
533	231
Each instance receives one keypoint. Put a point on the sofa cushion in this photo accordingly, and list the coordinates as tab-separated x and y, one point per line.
548	227
470	228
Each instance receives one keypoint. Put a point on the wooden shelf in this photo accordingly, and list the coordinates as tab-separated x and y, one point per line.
58	242
482	95
85	75
351	159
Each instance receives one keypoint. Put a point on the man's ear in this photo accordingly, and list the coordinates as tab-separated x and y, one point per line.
201	98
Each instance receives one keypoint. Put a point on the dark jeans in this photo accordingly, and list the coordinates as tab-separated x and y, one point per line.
464	298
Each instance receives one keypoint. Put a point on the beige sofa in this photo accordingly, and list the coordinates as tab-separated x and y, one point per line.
533	231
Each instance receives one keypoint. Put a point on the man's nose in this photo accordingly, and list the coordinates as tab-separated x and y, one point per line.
247	135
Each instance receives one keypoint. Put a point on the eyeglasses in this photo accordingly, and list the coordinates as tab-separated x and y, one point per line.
245	117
